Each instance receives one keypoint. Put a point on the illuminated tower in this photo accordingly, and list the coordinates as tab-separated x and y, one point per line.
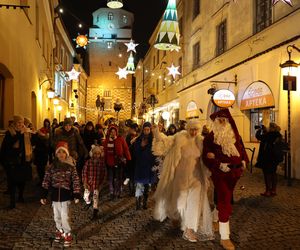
111	29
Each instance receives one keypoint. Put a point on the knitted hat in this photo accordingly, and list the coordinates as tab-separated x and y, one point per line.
62	145
68	121
96	148
17	118
147	124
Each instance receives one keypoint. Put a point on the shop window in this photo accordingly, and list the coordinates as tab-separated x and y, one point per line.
221	38
263	17
259	117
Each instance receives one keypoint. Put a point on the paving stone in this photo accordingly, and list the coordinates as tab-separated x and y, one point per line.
257	222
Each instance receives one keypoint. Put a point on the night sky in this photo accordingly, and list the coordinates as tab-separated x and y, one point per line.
146	14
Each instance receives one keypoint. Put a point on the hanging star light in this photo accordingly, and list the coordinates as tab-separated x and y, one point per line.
131	46
81	41
289	2
168	35
130	64
73	74
122	73
173	71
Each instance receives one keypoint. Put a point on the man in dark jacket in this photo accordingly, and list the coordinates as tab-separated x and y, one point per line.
71	135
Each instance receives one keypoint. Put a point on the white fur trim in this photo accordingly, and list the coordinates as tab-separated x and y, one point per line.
64	149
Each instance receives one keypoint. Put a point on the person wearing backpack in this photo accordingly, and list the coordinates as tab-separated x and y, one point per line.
270	154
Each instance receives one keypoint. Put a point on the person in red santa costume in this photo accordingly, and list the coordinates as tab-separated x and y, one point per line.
226	167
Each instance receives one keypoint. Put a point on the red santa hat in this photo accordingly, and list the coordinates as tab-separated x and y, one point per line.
62	145
225	113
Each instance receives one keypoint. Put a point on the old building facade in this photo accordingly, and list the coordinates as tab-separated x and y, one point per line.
35	54
238	45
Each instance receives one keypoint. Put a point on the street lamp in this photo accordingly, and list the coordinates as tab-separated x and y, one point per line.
289	69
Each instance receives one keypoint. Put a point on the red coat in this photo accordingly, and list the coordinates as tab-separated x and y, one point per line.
121	151
214	164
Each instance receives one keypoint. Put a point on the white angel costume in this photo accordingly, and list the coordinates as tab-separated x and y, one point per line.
181	193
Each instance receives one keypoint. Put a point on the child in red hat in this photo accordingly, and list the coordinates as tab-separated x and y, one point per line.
63	182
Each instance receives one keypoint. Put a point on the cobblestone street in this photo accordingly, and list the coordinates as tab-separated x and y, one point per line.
257	222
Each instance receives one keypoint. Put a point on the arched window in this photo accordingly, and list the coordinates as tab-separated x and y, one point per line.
110	16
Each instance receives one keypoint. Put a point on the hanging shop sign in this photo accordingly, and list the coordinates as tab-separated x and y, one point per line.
192	110
257	95
223	98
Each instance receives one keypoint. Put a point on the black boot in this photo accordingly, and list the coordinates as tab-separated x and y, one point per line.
95	214
145	200
138	203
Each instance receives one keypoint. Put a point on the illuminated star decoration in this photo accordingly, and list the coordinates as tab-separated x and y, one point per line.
122	73
173	71
289	2
73	74
131	46
81	41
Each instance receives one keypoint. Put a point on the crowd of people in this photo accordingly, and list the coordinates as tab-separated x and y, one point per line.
179	165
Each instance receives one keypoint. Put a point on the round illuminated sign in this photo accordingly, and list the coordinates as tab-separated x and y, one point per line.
223	98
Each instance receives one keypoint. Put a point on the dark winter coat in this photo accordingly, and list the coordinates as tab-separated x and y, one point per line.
62	180
42	148
144	161
77	148
89	137
12	156
266	155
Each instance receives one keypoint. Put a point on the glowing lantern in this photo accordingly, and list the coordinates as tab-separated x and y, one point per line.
81	41
168	35
114	4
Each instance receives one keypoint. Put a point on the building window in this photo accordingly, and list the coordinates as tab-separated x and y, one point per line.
125	19
154	61
180	24
110	16
109	44
196	55
157	57
107	93
263	16
196	8
157	86
37	22
221	38
164	82
259	117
